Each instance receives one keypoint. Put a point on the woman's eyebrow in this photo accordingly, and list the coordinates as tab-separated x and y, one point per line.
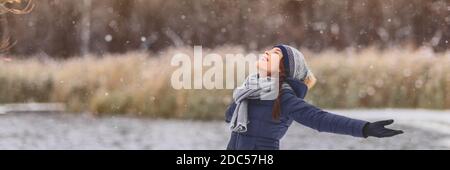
277	50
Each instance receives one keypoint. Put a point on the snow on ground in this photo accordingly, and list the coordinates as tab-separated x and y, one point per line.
424	129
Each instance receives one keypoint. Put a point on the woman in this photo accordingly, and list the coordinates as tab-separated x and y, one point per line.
260	116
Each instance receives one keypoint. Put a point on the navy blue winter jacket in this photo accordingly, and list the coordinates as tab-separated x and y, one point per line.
264	132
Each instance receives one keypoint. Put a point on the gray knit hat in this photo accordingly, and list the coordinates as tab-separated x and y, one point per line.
294	62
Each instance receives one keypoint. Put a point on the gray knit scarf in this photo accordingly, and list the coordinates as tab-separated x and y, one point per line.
254	87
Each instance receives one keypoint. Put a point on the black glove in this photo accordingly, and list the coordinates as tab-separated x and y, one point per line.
377	129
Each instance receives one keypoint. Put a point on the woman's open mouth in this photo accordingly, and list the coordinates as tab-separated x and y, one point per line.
264	58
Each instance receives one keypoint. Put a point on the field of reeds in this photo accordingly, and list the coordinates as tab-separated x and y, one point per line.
138	83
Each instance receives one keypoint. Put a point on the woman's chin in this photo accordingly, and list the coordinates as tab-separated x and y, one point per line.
263	73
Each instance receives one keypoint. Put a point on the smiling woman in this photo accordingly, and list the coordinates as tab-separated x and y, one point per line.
258	123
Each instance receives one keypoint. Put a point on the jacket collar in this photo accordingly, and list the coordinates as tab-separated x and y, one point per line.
300	88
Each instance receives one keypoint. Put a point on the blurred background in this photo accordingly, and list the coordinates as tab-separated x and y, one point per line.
95	74
65	28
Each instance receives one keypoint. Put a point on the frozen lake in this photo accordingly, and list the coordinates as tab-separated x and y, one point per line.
424	129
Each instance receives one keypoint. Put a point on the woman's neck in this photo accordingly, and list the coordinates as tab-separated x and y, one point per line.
262	74
265	75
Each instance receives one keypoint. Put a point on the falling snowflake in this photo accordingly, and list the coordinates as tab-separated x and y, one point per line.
371	91
108	38
406	72
379	83
418	84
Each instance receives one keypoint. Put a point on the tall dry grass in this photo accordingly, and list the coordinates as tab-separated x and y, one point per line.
389	78
139	83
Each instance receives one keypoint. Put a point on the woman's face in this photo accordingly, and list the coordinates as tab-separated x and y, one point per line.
269	63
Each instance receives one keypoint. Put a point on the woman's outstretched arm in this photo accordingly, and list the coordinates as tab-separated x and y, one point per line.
316	118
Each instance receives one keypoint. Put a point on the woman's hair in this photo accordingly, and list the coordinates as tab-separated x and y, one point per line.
276	111
310	80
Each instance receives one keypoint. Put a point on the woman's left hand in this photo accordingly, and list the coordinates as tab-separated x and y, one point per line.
377	129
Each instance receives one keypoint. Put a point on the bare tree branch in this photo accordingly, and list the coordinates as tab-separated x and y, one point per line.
5	43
